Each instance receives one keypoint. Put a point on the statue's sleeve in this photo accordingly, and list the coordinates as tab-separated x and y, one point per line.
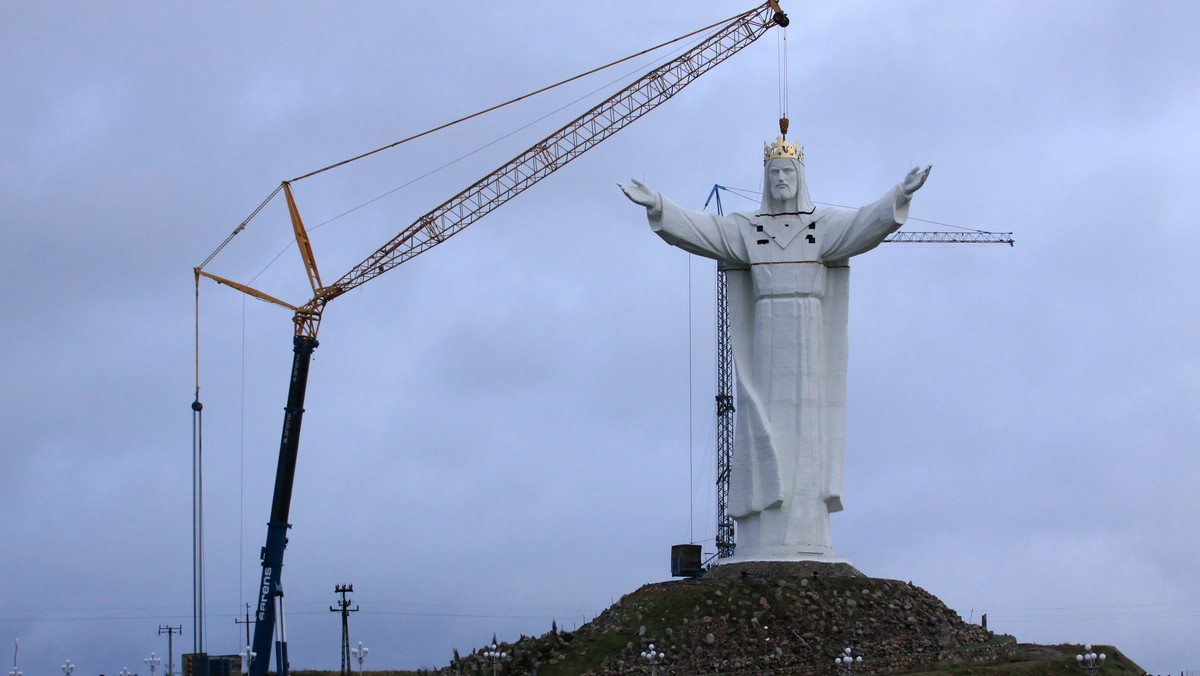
703	234
857	232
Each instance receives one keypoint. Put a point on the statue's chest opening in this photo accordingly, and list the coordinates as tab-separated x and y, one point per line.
792	237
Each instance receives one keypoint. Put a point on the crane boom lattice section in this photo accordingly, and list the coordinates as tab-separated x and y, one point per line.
556	150
725	409
942	237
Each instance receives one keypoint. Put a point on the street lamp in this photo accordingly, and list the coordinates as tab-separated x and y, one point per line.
767	639
67	668
248	656
153	661
653	658
494	657
1090	662
359	653
847	663
15	672
126	672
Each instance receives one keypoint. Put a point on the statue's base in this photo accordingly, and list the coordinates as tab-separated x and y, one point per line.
735	568
785	553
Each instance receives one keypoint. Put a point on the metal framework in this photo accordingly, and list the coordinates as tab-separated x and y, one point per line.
725	411
951	237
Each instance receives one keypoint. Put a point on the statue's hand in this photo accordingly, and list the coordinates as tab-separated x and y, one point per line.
638	193
915	179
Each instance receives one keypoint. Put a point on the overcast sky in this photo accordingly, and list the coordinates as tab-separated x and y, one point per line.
515	427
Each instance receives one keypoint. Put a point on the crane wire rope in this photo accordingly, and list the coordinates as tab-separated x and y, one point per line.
782	48
242	463
691	408
464	156
709	461
519	98
198	599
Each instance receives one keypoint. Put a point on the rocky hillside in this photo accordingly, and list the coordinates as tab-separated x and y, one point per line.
753	617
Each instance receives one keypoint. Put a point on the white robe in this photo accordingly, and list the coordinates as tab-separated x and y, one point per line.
787	285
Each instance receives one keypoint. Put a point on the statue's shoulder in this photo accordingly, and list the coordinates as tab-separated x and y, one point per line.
742	218
828	212
833	215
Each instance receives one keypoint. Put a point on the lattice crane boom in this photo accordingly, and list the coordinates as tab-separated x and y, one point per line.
949	237
545	157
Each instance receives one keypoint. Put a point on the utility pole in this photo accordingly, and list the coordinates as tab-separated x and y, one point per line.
345	609
170	632
245	622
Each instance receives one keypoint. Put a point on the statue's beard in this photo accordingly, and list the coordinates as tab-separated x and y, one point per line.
783	193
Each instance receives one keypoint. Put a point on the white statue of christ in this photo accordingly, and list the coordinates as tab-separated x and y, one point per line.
787	276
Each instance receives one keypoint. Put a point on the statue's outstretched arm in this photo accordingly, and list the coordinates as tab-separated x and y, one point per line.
871	224
703	234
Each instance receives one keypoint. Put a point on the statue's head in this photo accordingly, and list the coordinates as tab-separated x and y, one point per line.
782	180
785	189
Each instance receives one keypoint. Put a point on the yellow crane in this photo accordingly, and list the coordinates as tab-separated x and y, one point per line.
433	228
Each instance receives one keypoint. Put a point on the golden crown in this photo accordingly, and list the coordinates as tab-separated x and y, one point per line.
782	148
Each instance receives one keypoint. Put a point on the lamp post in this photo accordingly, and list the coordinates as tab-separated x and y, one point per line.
126	672
15	671
653	658
67	668
1090	662
248	656
847	663
771	654
153	661
360	653
494	657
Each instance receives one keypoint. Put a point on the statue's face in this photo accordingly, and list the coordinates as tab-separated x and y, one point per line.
782	179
